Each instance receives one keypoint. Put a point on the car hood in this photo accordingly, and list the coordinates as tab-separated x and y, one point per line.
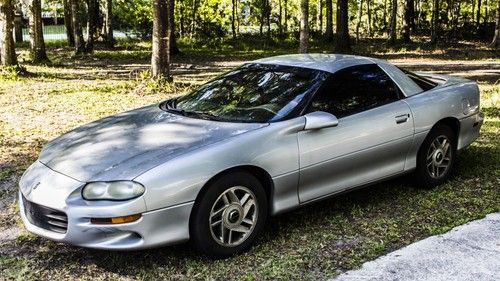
123	146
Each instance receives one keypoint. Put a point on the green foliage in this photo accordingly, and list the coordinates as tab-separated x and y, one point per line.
12	72
134	16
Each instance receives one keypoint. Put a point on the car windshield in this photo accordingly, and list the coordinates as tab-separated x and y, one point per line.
252	93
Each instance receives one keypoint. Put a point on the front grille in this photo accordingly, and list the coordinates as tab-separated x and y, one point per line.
44	217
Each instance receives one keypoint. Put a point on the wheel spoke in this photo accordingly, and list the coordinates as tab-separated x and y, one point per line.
232	196
445	148
244	199
216	222
230	237
241	229
247	207
222	230
218	212
248	221
225	199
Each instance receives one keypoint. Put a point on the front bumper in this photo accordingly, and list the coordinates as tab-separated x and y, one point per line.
72	215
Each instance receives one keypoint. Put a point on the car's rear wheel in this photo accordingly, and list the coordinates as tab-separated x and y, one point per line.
229	215
436	157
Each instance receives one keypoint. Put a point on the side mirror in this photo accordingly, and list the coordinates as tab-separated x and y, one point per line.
319	120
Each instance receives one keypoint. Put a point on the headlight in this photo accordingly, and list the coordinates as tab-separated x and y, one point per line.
114	190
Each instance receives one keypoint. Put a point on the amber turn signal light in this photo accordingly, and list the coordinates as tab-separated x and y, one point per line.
115	220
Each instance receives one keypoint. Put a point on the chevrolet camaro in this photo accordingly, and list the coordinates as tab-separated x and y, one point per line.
265	138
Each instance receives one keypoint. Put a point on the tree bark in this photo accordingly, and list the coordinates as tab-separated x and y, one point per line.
268	19
435	15
369	12
233	25
108	19
193	17
358	23
329	21
319	16
18	26
478	16
37	44
160	58
92	17
7	48
392	30
495	43
304	26
407	21
76	22
343	41
68	22
280	19
174	49
285	26
262	16
384	15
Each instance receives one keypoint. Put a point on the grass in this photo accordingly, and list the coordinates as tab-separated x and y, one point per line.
314	242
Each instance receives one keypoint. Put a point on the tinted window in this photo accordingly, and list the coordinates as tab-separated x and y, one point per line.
422	82
355	89
252	93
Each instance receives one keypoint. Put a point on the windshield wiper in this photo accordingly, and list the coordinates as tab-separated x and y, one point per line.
171	106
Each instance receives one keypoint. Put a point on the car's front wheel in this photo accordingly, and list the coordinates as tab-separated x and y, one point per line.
229	215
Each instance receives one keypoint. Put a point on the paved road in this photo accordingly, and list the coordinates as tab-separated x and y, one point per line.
467	252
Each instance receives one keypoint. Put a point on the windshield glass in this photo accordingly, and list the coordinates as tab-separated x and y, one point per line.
252	93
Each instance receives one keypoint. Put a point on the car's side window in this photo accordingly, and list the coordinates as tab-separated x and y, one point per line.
355	89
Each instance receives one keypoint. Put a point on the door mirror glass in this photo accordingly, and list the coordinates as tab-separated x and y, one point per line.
319	120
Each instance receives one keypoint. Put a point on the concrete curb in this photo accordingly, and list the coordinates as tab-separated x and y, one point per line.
467	252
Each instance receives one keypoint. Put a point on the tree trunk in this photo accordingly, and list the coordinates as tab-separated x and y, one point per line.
174	49
92	16
384	15
268	18
233	25
495	43
285	26
319	16
108	19
343	41
369	12
304	26
193	16
7	47
478	16
407	21
18	24
76	22
280	19
37	44
392	31
435	15
358	23
160	58
68	23
486	11
262	16
329	21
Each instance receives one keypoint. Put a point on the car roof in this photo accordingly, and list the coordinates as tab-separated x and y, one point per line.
325	62
335	62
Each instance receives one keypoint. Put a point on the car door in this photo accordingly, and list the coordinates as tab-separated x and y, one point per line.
371	141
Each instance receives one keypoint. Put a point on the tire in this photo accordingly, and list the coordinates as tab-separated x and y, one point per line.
435	161
220	225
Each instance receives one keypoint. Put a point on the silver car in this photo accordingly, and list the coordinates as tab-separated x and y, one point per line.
270	136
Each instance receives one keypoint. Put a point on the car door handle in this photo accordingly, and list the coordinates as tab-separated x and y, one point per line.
402	118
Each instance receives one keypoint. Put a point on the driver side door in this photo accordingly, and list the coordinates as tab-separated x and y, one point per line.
370	142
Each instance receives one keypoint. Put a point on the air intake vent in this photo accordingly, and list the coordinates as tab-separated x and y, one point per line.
44	217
